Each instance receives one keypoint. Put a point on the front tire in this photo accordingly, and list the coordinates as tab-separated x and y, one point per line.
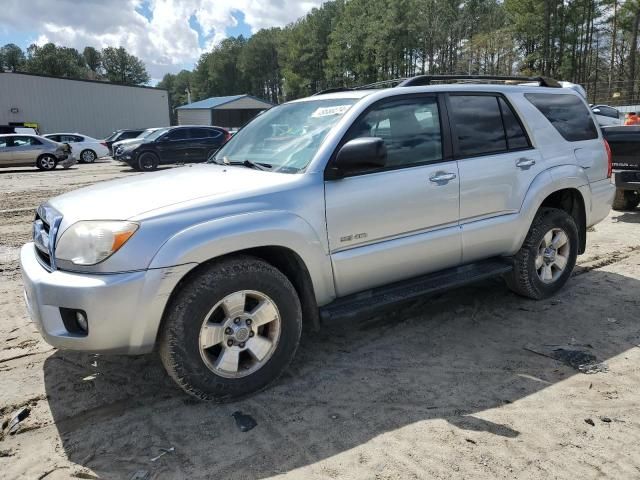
148	162
545	261
625	200
46	162
231	330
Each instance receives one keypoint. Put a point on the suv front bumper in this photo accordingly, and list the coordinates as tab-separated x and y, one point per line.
123	310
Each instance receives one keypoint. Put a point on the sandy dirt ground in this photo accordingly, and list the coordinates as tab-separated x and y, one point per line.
443	388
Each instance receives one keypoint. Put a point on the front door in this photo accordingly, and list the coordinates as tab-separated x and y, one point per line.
174	146
402	220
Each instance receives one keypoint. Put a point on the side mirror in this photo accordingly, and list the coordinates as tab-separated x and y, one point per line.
360	154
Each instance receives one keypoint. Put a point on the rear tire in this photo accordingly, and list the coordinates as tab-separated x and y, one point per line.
215	343
547	257
148	162
88	156
625	200
47	162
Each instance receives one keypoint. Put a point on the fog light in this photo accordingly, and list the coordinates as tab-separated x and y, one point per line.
82	321
75	321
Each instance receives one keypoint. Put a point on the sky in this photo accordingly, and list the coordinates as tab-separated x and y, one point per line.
168	35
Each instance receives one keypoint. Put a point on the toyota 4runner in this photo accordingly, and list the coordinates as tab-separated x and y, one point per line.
327	207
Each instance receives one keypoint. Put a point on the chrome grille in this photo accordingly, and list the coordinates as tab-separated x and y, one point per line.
45	228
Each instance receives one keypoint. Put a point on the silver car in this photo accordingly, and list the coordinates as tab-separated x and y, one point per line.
20	150
326	207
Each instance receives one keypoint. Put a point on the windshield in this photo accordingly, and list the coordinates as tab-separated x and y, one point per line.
284	138
155	134
113	135
147	132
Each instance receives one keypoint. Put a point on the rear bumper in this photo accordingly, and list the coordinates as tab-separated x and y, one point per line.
66	160
602	193
123	310
627	179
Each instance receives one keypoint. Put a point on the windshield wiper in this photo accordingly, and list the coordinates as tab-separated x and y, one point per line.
250	164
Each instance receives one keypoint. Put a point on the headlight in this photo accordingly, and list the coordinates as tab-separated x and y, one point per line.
91	242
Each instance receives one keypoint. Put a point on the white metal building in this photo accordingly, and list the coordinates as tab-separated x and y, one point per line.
230	112
94	108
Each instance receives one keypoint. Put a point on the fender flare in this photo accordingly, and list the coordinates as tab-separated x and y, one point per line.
546	183
222	236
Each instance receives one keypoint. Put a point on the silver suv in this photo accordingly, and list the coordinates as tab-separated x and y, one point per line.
326	207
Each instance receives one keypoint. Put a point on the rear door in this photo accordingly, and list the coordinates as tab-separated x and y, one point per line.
497	164
205	141
26	150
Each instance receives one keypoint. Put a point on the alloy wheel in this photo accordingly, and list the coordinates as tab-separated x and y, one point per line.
553	255
240	334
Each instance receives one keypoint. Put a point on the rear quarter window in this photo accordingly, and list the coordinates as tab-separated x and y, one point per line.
567	113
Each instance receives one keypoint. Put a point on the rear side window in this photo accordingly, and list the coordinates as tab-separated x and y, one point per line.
516	138
131	134
567	113
178	134
478	124
20	141
204	133
606	111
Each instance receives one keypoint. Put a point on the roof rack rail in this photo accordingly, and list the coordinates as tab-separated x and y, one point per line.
332	90
427	79
422	80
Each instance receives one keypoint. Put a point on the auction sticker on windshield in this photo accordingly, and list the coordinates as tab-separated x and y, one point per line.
330	111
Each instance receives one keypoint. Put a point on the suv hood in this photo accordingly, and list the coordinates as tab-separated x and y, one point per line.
128	141
126	198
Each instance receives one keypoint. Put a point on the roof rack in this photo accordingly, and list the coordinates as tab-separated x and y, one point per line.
427	79
422	80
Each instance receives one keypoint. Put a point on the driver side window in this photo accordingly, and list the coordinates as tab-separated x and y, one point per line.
409	127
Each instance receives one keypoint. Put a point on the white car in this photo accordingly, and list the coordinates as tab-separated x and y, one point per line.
85	149
127	141
607	116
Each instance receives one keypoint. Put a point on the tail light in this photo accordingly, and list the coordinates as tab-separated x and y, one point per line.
609	159
227	136
104	144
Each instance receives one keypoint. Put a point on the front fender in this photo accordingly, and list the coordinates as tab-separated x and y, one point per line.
222	236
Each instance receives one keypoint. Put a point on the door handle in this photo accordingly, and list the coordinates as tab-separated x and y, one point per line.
525	163
442	177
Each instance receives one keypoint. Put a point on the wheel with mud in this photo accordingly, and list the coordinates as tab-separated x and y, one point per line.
231	330
546	259
625	200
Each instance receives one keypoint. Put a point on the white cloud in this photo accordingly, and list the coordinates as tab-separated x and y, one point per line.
166	42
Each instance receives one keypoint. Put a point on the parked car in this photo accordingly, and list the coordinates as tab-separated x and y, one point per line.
606	115
184	144
121	135
625	147
144	134
327	207
85	148
25	150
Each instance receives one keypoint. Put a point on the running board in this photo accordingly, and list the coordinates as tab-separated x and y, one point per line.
359	304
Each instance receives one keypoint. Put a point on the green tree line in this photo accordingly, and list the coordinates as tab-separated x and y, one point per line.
355	42
111	64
